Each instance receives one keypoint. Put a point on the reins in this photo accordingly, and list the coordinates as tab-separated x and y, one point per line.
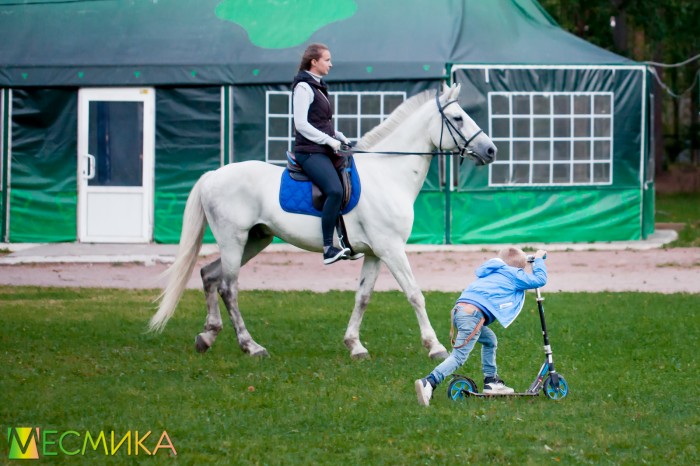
451	128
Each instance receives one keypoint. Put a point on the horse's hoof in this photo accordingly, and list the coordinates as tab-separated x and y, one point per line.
201	345
260	354
360	356
441	355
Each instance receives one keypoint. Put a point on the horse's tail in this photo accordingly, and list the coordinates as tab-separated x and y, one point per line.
178	274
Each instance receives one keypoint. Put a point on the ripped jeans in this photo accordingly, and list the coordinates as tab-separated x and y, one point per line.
465	322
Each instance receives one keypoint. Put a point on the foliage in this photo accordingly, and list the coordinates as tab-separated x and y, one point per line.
79	359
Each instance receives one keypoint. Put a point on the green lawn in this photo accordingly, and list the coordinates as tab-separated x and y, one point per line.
79	360
681	208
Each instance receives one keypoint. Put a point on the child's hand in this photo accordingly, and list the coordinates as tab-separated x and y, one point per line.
541	254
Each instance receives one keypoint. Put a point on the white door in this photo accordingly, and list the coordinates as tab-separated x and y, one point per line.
116	134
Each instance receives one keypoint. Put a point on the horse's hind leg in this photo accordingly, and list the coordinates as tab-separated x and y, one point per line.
211	277
398	264
368	277
228	287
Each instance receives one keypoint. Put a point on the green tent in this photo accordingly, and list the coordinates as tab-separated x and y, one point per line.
179	87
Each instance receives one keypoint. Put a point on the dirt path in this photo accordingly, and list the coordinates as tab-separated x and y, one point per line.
656	270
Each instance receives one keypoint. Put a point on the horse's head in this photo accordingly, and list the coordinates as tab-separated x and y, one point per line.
457	131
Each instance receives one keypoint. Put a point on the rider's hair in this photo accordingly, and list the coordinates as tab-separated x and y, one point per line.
312	52
513	256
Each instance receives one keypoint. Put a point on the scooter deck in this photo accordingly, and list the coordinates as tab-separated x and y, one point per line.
495	395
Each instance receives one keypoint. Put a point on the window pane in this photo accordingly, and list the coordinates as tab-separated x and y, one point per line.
501	128
391	103
542	127
582	104
562	105
521	173
582	127
348	126
540	173
367	124
499	173
279	127
521	105
561	173
116	142
521	150
371	104
499	105
347	104
562	150
602	127
541	150
521	127
276	150
601	150
542	104
601	173
503	151
279	103
582	173
562	128
582	150
602	104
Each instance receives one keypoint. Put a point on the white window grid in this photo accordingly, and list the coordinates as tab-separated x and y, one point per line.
359	112
593	168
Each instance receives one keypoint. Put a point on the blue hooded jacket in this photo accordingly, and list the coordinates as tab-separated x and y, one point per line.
500	289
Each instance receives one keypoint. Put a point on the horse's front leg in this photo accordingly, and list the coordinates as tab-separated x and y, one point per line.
211	278
368	277
398	264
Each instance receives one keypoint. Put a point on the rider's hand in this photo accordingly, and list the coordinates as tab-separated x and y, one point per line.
335	145
540	254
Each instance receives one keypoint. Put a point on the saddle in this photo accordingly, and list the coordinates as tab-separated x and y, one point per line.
298	195
342	165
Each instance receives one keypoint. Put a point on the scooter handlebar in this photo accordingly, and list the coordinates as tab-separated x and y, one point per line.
531	258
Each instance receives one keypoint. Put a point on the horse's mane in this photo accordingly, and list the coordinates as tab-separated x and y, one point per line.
397	117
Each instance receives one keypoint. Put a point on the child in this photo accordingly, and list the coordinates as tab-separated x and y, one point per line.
497	294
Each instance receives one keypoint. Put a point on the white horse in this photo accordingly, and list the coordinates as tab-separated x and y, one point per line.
240	202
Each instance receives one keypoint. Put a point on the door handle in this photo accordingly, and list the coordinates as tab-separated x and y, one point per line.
90	172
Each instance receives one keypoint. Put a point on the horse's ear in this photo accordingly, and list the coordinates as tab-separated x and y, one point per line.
455	91
444	87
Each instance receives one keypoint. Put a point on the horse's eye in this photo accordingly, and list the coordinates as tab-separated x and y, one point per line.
458	119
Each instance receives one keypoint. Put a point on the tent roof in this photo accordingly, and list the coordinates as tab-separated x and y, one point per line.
149	42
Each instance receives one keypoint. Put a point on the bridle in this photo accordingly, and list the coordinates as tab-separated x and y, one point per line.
451	128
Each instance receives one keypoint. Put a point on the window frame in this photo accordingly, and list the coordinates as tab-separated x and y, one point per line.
359	116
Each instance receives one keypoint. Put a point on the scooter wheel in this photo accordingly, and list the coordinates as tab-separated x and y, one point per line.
460	387
556	393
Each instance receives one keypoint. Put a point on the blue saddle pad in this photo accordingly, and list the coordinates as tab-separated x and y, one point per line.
295	196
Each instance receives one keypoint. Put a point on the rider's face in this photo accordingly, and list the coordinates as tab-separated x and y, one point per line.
323	65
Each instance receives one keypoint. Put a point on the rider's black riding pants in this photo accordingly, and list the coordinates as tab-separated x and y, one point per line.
320	169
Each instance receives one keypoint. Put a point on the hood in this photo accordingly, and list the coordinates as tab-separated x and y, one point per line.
489	267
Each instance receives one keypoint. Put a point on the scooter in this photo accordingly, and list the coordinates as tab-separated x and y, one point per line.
547	380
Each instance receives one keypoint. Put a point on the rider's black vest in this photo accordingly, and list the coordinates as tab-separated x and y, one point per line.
320	115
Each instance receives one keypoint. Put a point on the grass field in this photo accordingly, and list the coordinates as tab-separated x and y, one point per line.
79	360
681	208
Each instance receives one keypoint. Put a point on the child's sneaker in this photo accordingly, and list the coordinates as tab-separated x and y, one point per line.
495	386
424	391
